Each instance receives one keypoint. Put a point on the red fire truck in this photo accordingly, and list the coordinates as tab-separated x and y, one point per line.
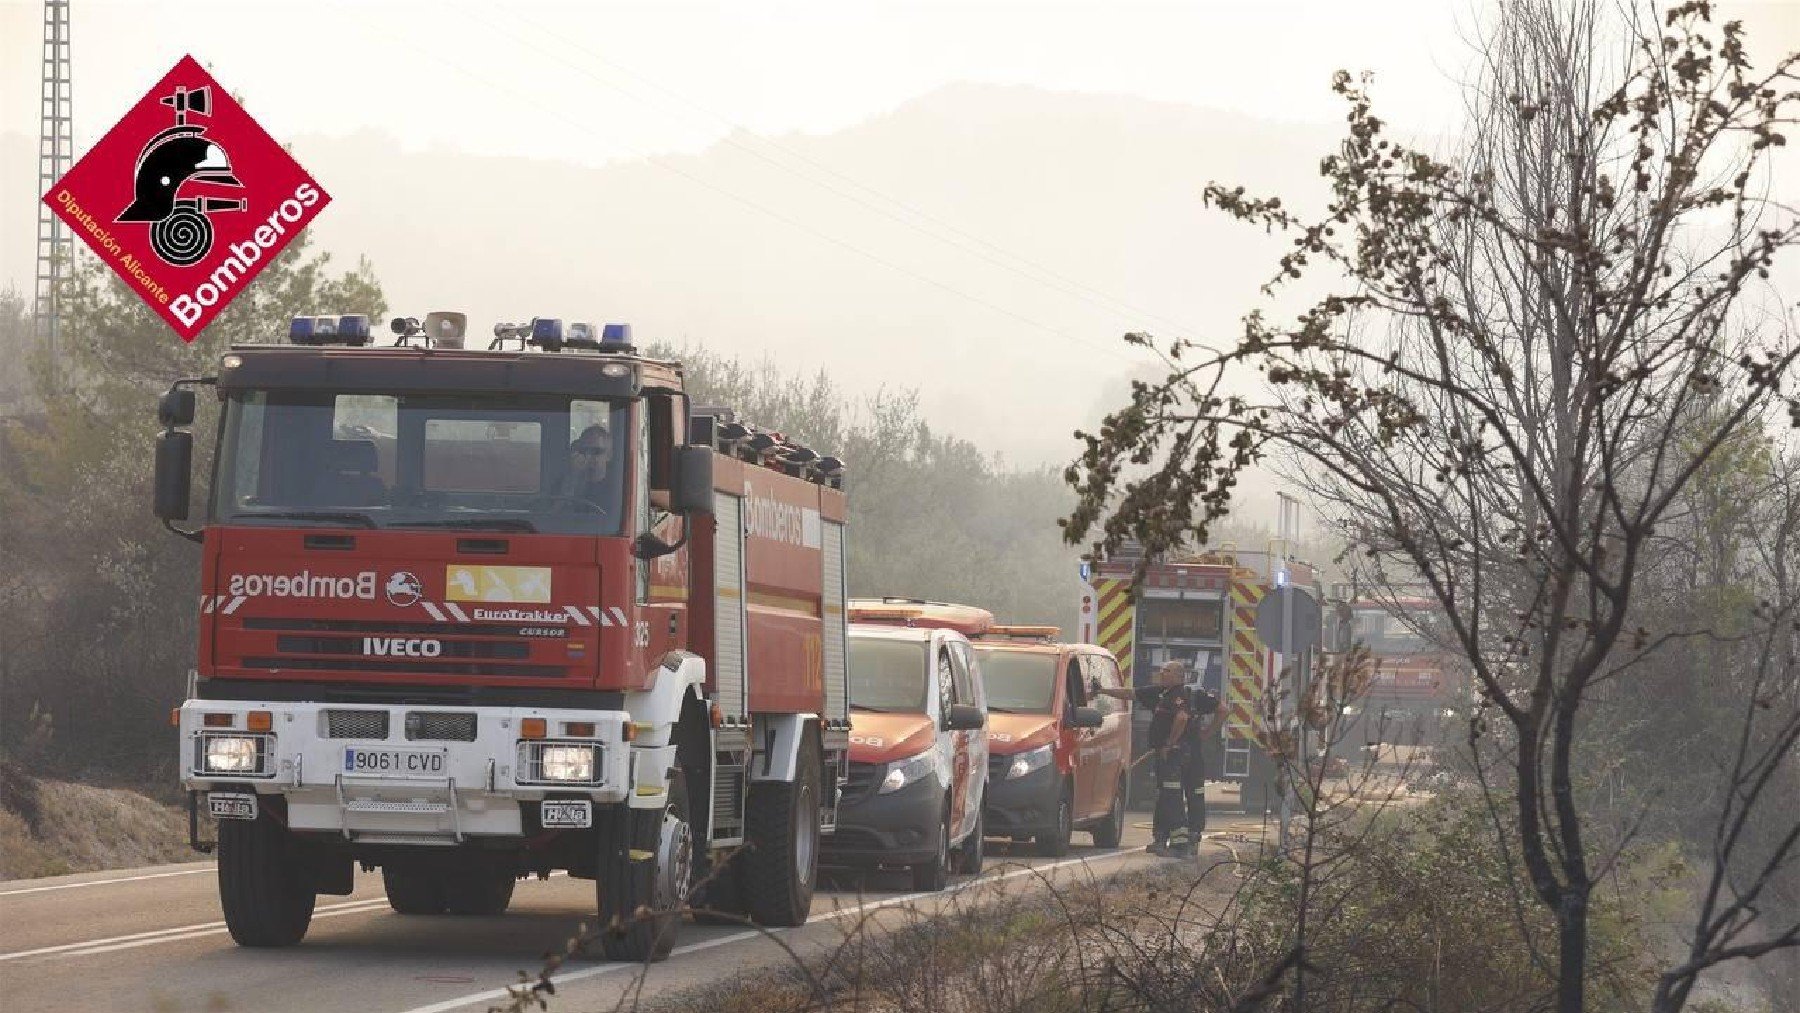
470	615
1416	686
1199	608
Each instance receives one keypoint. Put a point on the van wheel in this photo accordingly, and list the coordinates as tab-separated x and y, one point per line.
969	858
479	891
782	830
1108	831
933	875
267	896
1056	843
641	896
414	891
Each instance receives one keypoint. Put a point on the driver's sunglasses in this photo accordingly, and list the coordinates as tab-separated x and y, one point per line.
601	450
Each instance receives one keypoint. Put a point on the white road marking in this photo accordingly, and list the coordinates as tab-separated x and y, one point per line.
618	968
135	939
105	882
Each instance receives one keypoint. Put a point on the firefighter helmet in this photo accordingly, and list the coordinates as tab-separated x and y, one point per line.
173	158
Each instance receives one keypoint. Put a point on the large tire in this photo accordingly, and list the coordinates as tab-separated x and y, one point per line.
627	888
933	874
1109	830
264	888
1055	844
781	865
973	853
415	890
479	891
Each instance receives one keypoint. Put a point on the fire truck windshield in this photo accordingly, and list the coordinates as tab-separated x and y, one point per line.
1383	633
1018	682
470	461
887	675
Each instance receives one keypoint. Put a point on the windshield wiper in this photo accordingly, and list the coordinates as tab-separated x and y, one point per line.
866	707
323	516
1002	710
496	523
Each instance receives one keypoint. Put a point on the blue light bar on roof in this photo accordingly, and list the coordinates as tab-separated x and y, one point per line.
616	334
300	330
354	327
546	331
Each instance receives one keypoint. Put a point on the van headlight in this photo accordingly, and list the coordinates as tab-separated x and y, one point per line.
901	773
1030	760
231	754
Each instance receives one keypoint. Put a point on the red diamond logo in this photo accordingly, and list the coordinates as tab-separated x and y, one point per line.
187	198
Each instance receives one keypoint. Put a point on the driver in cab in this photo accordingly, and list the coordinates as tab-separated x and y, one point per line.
590	462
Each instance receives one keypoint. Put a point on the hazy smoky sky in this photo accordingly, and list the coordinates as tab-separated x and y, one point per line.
1004	308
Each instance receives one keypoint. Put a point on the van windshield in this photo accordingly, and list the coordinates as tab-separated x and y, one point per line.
887	675
540	462
1018	682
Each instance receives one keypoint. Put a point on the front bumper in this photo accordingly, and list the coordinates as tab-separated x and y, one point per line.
899	828
468	785
1023	806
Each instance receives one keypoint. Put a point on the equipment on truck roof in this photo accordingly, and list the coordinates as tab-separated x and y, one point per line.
969	620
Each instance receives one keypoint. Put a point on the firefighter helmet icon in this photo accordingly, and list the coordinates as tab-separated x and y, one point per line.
181	232
404	589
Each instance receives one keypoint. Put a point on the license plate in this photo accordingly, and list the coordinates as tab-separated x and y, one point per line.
229	806
566	813
361	761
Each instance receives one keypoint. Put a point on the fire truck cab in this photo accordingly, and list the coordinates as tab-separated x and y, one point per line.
469	615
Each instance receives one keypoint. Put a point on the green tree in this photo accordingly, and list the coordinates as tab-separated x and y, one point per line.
100	618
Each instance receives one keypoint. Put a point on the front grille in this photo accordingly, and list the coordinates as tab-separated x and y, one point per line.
443	725
861	782
356	724
278	664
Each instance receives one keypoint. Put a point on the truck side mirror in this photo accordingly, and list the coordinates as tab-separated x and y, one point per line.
964	717
693	485
174	462
175	408
1086	717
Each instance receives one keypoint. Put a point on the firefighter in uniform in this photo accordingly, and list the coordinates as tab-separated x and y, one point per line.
1178	725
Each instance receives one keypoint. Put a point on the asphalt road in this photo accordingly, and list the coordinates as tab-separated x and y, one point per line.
153	939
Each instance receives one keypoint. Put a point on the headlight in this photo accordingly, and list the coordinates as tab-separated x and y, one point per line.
232	754
1030	760
901	773
567	763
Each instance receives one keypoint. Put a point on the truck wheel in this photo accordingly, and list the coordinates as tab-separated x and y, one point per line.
479	891
267	897
782	828
1108	831
970	856
1056	843
412	890
645	894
